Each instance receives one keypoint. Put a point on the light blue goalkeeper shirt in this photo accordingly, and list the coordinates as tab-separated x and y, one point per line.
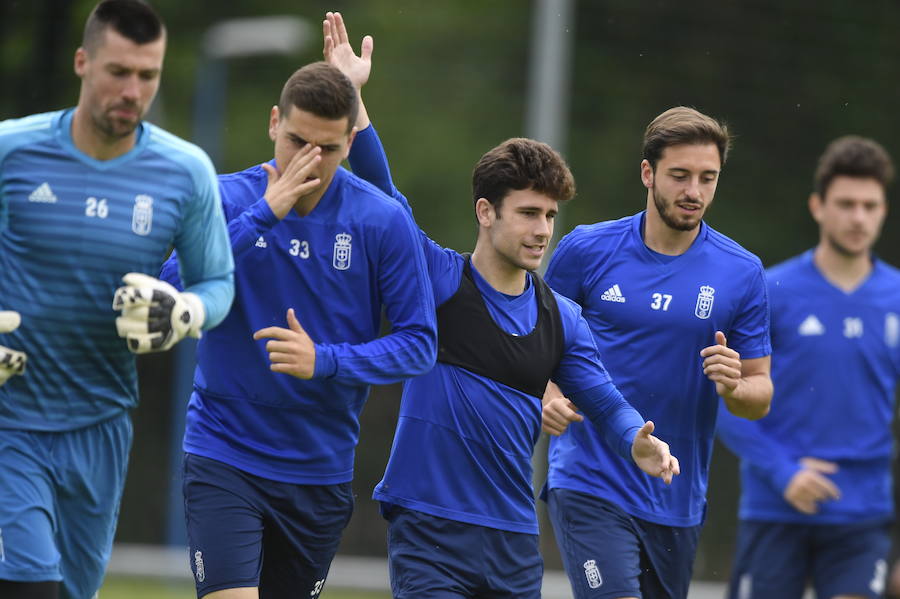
70	228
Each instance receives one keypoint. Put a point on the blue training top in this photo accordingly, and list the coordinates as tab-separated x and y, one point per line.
463	445
354	253
70	228
650	317
835	365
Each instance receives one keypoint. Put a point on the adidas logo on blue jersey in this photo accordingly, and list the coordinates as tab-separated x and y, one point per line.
811	326
43	194
613	294
261	242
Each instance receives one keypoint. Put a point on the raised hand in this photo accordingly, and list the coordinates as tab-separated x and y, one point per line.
652	455
285	189
722	365
809	486
339	53
291	351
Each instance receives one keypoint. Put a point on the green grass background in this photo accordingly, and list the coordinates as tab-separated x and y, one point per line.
117	587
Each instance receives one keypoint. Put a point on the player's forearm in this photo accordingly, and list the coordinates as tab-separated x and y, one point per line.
751	398
613	416
216	294
368	160
402	354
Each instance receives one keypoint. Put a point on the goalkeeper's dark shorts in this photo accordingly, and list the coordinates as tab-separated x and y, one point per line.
247	531
437	558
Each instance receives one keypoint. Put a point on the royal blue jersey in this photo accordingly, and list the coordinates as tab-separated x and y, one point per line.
70	228
463	445
356	252
835	365
651	316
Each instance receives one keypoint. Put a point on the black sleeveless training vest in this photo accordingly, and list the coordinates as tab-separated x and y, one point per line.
469	338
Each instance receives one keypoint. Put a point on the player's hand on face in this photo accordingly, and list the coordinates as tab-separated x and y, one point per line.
285	188
339	53
652	455
722	365
809	486
291	351
12	361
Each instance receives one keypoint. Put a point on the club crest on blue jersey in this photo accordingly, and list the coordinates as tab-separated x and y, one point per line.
892	329
142	216
592	574
704	302
342	250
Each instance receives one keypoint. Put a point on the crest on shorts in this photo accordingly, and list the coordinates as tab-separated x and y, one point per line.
704	302
200	571
142	215
342	250
592	573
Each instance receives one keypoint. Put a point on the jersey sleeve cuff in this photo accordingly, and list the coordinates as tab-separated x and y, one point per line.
326	364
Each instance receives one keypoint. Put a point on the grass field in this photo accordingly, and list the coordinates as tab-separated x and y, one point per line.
117	587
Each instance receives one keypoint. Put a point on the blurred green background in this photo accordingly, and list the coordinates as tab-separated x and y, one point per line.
450	81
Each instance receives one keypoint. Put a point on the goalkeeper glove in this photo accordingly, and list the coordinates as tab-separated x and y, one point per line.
155	315
11	361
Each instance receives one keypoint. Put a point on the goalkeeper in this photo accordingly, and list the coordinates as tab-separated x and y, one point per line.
87	195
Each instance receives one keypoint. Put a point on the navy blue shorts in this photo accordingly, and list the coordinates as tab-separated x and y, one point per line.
774	560
247	531
436	558
608	553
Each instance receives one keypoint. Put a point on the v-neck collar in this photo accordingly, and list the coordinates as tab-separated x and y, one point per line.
64	135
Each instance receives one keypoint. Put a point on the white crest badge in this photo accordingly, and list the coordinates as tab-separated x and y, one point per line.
142	216
592	573
892	329
342	250
198	566
704	302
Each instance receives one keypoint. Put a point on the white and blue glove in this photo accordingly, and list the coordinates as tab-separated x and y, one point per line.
155	315
11	361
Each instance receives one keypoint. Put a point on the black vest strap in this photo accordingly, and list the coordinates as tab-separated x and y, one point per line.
469	338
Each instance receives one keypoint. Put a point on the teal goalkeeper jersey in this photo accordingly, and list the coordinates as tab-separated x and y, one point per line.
70	228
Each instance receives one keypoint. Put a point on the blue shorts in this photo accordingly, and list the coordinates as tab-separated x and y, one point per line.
435	558
609	553
774	560
247	531
59	502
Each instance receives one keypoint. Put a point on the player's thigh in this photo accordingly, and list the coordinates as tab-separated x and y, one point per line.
667	559
93	463
429	557
303	528
599	544
513	567
28	551
224	525
851	560
771	561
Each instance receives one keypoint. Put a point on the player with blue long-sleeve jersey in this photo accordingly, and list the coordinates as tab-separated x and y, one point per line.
457	489
816	488
657	288
87	196
272	426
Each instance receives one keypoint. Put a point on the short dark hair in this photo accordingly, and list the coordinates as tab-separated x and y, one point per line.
321	89
521	163
133	19
853	156
684	126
